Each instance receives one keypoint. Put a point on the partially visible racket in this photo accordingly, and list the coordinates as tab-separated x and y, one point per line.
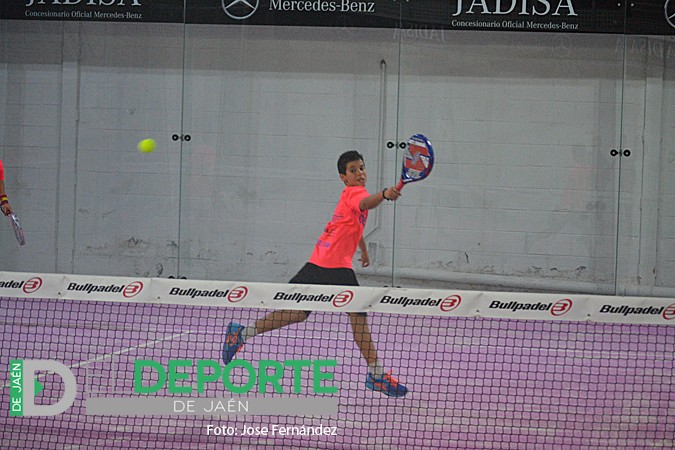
18	231
418	160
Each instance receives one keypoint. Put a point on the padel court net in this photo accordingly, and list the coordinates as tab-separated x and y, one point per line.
475	382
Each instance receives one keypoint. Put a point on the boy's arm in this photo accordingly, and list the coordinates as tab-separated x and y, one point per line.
4	201
365	258
373	201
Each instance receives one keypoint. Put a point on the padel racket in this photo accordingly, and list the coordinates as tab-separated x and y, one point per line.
418	160
18	231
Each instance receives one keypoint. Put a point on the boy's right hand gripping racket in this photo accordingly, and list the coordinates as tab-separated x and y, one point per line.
18	231
418	160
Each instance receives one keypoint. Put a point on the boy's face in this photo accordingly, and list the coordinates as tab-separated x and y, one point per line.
355	174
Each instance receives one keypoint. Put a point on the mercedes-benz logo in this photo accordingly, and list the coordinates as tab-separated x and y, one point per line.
669	10
239	9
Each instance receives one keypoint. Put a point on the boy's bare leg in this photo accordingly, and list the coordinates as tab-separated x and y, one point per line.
363	338
236	335
377	379
278	319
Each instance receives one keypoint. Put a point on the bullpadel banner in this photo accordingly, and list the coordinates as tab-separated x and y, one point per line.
644	17
433	302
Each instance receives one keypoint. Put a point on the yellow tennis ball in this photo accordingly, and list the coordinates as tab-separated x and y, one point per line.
146	146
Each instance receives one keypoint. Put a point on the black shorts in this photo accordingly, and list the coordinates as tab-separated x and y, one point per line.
313	274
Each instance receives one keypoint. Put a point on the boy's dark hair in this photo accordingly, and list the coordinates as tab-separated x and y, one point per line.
346	158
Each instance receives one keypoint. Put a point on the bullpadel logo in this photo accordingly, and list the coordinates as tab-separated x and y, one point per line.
24	386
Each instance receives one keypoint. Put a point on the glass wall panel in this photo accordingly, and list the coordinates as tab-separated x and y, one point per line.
32	74
129	87
646	243
524	191
77	98
665	238
269	110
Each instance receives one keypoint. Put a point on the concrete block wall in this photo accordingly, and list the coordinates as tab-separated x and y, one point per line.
524	193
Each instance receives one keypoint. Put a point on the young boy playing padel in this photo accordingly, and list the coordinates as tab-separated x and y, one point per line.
331	263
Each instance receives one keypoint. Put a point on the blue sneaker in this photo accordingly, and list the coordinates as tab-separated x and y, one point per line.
233	341
388	385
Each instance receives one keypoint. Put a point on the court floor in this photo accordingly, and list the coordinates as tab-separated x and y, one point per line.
474	383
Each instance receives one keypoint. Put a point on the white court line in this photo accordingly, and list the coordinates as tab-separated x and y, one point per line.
117	353
127	350
110	355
